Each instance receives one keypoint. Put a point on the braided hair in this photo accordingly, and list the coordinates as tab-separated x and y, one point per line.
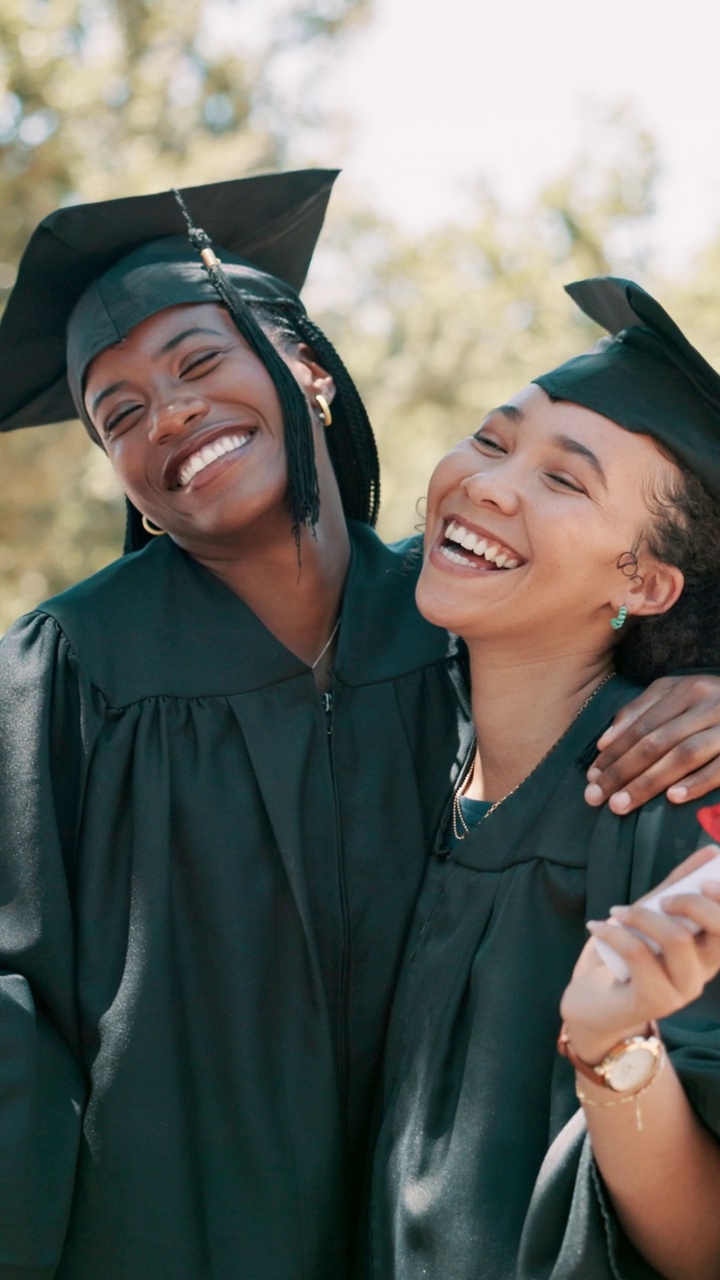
350	440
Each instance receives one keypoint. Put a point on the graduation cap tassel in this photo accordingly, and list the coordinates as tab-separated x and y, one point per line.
303	495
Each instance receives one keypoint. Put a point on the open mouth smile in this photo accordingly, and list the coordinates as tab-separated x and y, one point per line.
471	549
209	453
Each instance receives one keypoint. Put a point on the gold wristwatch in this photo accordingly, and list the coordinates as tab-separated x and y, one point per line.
627	1068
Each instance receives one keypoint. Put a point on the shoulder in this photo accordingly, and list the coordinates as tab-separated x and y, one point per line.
102	600
143	626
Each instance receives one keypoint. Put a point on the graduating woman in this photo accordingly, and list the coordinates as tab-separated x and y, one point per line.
574	536
216	790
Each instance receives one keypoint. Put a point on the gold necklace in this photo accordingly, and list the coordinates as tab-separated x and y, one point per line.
326	645
458	817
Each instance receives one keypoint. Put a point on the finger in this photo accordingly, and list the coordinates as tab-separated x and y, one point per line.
656	763
659	729
665	700
701	908
649	989
695	785
638	707
671	943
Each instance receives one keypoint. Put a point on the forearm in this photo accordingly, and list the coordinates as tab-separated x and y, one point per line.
663	1179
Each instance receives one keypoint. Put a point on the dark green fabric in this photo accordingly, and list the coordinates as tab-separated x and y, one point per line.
647	377
475	1092
205	896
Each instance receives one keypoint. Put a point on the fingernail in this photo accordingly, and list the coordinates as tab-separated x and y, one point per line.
620	801
593	794
620	913
677	794
592	926
593	773
609	735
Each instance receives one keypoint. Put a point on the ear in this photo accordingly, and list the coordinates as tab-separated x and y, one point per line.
309	373
659	588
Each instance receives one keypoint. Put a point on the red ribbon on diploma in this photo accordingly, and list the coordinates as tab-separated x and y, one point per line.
709	819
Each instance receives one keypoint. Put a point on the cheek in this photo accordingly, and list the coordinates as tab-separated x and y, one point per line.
445	479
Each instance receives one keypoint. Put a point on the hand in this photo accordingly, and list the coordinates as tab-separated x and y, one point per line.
599	1011
667	739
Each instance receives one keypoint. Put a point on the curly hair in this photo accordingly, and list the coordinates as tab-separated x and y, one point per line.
685	532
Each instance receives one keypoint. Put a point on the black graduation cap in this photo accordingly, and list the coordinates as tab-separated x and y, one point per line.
646	377
263	228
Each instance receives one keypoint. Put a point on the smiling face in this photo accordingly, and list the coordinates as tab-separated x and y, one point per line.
527	520
190	419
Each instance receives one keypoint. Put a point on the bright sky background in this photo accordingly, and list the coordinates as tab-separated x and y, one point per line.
445	92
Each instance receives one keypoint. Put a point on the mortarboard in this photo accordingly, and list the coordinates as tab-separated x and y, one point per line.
646	377
265	224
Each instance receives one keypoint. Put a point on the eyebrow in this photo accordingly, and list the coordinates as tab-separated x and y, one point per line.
568	445
169	346
102	395
187	333
512	411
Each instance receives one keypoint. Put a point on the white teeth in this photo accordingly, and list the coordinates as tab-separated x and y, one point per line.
479	546
453	556
207	454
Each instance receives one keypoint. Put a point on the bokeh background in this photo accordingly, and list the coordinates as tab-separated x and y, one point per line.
490	153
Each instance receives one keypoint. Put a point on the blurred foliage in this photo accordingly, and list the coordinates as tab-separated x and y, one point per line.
101	99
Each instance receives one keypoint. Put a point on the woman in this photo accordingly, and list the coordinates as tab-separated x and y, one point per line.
209	868
577	533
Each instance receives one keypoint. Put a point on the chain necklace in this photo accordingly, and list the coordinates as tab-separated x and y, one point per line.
326	645
459	825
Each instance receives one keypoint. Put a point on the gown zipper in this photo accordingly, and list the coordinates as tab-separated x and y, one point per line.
328	710
327	704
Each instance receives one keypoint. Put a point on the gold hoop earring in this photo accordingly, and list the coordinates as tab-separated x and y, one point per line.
325	414
150	528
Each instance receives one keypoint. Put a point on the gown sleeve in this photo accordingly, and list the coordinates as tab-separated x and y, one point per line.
571	1229
46	728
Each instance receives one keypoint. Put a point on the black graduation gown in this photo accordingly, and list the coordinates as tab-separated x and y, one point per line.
203	897
483	1169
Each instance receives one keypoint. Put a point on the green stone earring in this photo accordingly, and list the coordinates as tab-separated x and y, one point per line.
617	622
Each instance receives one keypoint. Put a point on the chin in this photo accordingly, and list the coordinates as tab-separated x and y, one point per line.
435	607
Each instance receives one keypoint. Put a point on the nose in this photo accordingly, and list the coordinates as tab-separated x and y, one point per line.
175	409
494	486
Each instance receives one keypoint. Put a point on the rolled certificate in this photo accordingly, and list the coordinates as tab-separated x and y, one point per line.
691	883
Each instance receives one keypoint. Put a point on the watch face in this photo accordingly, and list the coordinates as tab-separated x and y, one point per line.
631	1068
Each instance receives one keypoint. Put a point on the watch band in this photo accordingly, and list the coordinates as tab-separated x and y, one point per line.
599	1072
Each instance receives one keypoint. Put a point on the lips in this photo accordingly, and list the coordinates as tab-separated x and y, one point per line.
465	546
197	454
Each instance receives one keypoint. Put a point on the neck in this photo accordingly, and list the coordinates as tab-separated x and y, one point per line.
298	601
521	709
